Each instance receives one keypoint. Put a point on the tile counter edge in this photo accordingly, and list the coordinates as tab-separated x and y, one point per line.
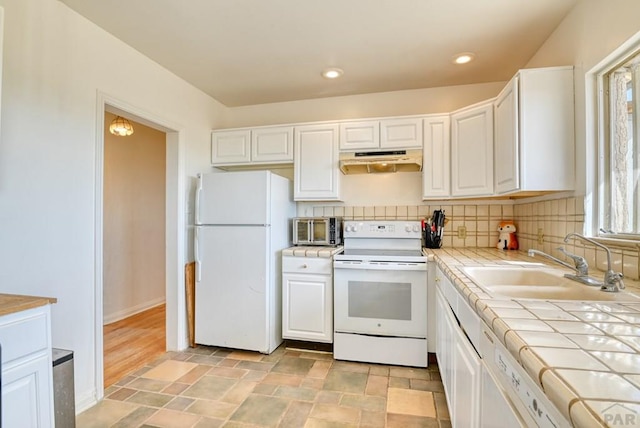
566	387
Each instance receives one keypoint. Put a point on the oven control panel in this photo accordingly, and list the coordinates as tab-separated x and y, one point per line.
382	229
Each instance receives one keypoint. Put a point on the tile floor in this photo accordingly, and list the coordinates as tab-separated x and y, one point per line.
213	387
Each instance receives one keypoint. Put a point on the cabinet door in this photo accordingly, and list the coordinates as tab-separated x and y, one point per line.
401	133
472	151
506	160
436	172
444	348
273	144
307	308
26	394
315	167
467	376
359	135
229	147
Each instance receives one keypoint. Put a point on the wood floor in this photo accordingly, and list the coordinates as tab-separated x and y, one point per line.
132	342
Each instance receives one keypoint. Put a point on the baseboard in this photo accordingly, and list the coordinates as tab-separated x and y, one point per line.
125	313
85	401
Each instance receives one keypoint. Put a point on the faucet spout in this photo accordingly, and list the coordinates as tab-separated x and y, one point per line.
532	252
612	280
581	268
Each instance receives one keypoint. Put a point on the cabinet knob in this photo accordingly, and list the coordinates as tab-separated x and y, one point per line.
304	266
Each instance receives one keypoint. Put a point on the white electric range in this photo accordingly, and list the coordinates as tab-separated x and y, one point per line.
380	294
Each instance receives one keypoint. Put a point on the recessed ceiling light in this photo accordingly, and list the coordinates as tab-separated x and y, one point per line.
332	73
463	58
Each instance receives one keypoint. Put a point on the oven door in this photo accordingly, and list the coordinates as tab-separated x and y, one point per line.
379	298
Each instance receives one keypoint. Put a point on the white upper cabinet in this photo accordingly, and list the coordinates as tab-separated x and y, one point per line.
272	144
472	150
315	166
264	145
360	135
229	147
534	126
436	159
506	142
403	133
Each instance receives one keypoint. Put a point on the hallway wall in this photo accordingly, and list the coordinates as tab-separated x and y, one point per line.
134	221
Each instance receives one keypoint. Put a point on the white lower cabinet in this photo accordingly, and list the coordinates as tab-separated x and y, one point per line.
474	397
27	374
466	378
460	368
307	293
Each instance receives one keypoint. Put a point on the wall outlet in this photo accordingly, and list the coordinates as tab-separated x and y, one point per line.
540	236
462	232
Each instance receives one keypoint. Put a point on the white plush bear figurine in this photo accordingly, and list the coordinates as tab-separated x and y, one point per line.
507	239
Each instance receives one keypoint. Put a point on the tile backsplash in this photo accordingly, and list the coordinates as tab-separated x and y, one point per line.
541	225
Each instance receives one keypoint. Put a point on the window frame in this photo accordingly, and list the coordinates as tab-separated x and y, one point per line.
602	190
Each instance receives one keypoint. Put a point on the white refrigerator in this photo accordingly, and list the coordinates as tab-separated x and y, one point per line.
242	225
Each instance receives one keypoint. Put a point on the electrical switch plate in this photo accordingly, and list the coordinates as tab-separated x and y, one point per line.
540	236
462	232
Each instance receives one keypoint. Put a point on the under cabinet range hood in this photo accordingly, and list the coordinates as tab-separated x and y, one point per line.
381	161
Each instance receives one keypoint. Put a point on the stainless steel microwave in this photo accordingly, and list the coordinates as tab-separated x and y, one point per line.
317	231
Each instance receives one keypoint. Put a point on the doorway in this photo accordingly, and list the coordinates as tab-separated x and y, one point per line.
174	227
134	190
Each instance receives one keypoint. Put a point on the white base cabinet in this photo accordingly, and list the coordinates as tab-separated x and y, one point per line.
27	374
307	294
460	366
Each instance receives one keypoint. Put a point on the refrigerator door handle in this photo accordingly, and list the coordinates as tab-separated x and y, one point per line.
198	192
196	251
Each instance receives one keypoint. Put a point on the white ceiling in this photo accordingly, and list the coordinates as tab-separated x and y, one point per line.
244	52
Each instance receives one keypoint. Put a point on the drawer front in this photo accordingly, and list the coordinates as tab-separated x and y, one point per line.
23	333
307	265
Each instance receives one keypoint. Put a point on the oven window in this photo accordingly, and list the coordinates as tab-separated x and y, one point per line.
380	300
319	230
302	230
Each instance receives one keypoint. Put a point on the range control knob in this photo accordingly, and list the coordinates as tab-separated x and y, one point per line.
416	228
407	228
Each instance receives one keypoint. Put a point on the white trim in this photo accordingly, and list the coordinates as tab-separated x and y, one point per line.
128	312
176	336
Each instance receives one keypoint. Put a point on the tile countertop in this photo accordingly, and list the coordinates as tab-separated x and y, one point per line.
302	251
11	303
584	355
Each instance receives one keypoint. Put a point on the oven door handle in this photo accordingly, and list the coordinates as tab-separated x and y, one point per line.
343	264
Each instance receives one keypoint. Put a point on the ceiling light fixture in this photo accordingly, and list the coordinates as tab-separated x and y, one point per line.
121	127
463	58
332	73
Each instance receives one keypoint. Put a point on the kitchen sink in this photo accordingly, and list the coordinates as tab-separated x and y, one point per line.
539	283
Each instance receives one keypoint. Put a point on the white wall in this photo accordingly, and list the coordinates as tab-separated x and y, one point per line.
409	102
55	64
134	221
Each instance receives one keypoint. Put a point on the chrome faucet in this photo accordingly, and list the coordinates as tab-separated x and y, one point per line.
581	267
533	252
612	280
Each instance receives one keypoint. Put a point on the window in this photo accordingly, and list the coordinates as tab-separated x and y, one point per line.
620	168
